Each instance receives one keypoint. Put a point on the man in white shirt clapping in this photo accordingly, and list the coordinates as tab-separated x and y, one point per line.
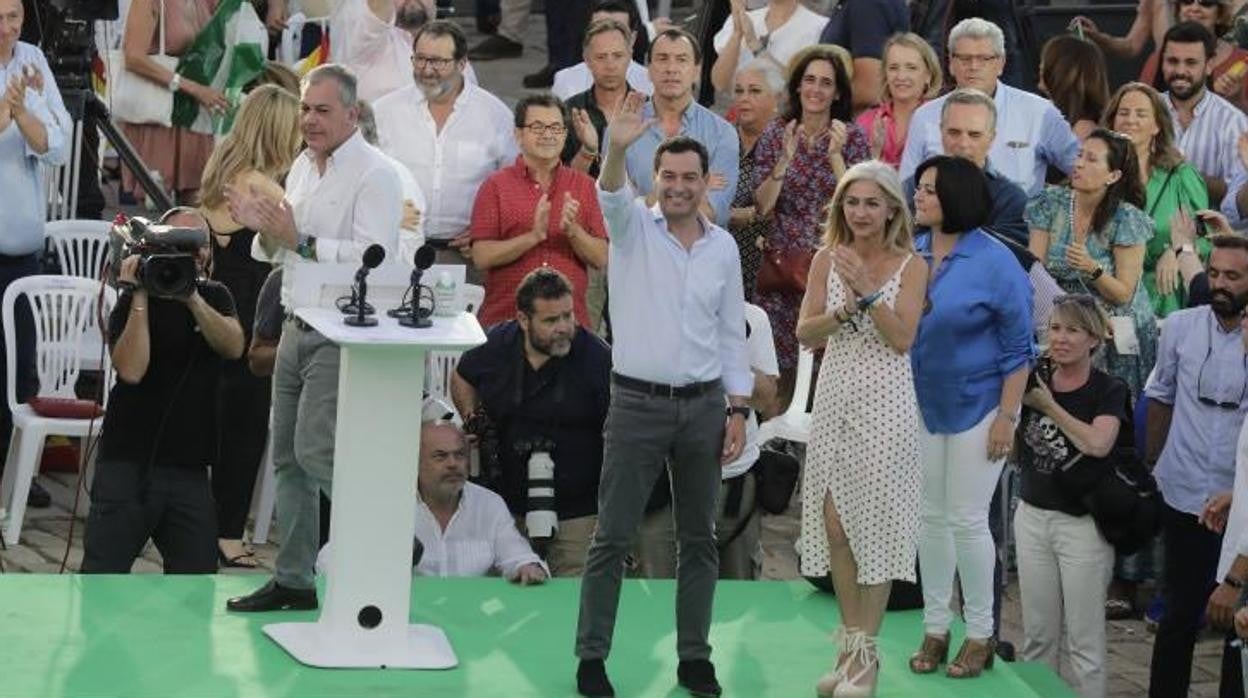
450	134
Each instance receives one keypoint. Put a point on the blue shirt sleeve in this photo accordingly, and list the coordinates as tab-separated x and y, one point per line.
725	155
1058	144
1134	227
1013	308
1163	383
924	119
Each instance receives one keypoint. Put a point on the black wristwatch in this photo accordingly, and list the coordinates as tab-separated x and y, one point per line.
1096	274
742	410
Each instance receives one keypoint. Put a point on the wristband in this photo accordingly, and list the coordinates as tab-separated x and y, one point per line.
742	410
867	301
591	154
306	247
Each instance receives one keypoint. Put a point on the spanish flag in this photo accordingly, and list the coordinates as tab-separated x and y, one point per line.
319	55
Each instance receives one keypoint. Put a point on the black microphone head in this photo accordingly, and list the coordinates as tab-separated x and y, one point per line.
374	256
424	257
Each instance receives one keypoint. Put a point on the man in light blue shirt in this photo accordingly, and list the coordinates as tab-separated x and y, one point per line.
1031	132
32	137
675	61
1197	399
678	312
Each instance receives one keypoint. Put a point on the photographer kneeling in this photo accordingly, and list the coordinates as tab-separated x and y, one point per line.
1072	413
151	477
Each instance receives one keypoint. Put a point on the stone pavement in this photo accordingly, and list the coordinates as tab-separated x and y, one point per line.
44	537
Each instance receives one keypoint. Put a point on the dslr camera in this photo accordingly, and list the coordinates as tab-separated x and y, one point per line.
166	255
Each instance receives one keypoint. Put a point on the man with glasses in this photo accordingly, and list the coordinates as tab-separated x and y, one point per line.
1031	135
449	133
1198	396
536	213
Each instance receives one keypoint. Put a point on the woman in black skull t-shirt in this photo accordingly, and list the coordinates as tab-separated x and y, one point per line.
1078	413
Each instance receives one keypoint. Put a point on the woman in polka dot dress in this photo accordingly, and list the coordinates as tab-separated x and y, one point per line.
860	501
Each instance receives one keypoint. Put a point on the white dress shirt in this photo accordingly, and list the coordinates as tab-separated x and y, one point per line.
356	202
1209	142
1235	538
481	538
1031	135
378	52
800	31
574	80
678	315
449	165
761	348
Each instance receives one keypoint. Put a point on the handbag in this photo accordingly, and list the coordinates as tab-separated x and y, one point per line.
1121	496
784	271
777	475
133	98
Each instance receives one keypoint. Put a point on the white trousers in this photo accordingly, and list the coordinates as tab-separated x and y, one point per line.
958	485
1064	567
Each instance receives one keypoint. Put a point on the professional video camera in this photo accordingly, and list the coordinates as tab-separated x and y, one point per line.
66	33
166	255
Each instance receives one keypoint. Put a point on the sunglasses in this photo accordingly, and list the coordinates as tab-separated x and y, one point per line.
1200	381
1202	3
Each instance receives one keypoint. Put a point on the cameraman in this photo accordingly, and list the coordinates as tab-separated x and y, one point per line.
151	480
541	377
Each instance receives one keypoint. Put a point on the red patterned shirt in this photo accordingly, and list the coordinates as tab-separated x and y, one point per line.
504	210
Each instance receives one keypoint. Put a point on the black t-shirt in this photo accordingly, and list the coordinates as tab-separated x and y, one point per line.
175	403
565	401
1043	447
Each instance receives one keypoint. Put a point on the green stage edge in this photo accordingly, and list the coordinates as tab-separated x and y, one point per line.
152	635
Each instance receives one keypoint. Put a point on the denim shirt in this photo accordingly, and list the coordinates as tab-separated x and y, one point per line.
976	330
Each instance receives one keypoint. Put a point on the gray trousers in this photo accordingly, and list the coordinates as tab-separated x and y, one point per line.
305	411
640	433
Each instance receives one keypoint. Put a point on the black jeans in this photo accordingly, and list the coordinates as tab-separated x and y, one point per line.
1190	564
27	380
131	503
565	30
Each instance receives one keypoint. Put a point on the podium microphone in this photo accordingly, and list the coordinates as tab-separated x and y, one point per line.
411	314
373	257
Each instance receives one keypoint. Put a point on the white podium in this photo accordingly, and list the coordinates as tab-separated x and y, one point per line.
364	616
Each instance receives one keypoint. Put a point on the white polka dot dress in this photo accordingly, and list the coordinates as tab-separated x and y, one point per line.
864	450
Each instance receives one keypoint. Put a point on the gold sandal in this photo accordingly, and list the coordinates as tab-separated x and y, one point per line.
972	659
932	653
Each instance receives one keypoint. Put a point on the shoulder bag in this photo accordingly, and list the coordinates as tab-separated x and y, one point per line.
133	98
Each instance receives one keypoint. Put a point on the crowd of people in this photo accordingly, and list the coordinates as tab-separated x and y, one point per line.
989	278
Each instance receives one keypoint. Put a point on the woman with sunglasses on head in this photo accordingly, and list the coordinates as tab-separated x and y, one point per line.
970	360
1091	237
1072	413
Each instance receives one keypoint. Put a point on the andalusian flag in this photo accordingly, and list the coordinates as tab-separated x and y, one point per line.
227	54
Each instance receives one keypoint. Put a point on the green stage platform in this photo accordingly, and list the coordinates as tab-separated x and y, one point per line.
150	635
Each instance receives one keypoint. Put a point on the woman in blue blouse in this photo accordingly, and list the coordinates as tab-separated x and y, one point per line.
970	361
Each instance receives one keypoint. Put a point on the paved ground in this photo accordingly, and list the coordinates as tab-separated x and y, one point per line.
45	536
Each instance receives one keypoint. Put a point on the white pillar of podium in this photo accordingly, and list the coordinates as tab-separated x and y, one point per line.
364	616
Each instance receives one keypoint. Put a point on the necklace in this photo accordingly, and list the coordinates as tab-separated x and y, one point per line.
1074	227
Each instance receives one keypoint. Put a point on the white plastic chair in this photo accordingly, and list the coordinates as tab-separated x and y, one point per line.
794	423
64	310
61	182
81	245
